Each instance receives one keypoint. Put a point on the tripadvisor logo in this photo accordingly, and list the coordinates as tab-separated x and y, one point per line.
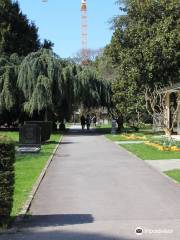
139	231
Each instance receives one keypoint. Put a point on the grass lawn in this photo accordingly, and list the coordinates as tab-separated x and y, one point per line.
13	135
104	125
146	152
175	174
28	168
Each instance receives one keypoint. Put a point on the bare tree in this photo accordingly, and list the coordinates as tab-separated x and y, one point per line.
91	55
158	102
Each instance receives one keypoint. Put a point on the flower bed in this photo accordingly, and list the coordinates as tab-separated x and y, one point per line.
164	144
133	137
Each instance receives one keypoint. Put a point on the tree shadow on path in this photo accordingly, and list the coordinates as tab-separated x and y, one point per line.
57	220
64	235
91	132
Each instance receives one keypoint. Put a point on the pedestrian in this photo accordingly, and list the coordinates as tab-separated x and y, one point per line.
94	119
88	122
83	122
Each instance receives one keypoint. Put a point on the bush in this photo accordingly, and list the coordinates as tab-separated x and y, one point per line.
7	158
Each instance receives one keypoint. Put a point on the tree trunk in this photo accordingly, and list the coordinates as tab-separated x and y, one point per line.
120	122
168	132
46	115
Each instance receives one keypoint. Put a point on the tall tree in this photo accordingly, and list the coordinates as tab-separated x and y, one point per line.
10	99
39	77
47	44
91	91
17	34
144	49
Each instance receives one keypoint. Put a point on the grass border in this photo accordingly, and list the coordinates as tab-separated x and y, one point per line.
173	179
19	218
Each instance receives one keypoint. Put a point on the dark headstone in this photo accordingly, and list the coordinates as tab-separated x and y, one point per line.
46	129
29	138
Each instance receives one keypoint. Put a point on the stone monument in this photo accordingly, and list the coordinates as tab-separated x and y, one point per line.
29	139
45	129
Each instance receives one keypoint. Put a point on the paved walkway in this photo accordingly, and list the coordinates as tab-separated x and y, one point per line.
96	190
165	165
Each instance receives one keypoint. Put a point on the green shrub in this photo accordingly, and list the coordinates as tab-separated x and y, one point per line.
7	158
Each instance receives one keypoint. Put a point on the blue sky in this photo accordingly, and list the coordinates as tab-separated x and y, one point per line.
59	21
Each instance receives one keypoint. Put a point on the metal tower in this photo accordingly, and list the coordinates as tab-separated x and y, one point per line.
84	33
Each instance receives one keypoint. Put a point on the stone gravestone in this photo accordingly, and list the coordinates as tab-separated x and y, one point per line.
45	128
113	130
29	139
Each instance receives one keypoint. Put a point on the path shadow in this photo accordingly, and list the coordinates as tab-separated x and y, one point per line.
64	235
91	132
67	142
50	142
57	220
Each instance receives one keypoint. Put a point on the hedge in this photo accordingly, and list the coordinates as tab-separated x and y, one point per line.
7	159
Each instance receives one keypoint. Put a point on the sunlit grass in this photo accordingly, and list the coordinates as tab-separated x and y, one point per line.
28	168
175	174
146	152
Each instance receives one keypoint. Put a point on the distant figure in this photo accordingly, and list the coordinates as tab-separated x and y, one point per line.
83	122
88	122
94	119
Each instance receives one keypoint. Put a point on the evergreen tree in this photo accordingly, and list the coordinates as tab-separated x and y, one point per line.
17	34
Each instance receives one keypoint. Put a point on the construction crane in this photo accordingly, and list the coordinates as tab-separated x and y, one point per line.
84	32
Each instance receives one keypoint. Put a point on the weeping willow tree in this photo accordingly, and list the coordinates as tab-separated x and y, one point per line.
68	79
44	86
39	79
91	91
9	97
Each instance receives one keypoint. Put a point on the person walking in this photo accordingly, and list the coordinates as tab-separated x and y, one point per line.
83	122
88	122
94	119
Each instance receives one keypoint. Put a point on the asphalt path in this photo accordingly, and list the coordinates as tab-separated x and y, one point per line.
96	190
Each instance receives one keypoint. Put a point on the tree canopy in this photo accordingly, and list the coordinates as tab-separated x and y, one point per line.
144	50
17	34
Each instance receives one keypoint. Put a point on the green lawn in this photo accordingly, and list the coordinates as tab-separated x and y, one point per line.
146	152
175	174
103	129
104	125
28	168
13	135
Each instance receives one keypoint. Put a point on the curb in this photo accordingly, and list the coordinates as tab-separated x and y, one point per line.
28	202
